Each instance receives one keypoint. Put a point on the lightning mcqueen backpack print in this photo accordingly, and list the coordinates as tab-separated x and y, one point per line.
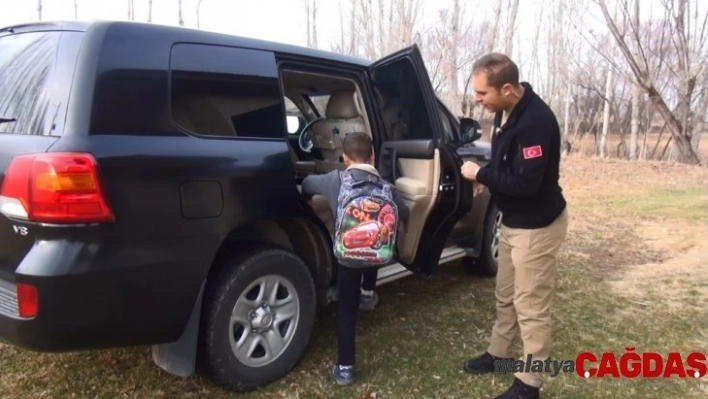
367	221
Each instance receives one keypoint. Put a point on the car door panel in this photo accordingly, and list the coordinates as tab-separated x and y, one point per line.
423	167
413	166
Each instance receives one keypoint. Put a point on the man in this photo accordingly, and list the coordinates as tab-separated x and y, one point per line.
522	178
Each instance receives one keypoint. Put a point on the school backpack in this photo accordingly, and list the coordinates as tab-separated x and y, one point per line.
367	222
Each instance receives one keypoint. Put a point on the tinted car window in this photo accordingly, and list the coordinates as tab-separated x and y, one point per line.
405	114
36	70
226	91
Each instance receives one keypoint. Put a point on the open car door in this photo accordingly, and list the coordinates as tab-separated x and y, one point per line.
413	154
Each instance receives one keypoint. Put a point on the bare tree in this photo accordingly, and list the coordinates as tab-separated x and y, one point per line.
467	103
179	11
602	148
199	6
311	11
636	97
686	40
149	10
39	9
76	9
348	37
380	27
701	114
446	49
131	10
511	27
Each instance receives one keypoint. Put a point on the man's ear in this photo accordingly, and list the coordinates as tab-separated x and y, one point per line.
507	89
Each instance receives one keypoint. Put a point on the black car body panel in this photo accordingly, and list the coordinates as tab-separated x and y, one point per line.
176	196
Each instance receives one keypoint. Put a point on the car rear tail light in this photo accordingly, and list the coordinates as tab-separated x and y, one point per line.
54	188
27	300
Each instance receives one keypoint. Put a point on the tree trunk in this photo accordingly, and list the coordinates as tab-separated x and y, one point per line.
39	9
314	23
353	34
636	97
199	19
131	10
453	54
511	28
307	26
150	11
179	11
566	122
76	9
700	119
606	113
658	141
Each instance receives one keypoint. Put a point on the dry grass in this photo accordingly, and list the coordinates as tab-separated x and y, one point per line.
633	273
616	148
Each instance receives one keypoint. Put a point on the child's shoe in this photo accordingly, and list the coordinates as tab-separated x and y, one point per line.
369	299
343	375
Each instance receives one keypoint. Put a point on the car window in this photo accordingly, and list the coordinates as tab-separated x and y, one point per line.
226	91
36	70
449	124
320	103
294	118
404	111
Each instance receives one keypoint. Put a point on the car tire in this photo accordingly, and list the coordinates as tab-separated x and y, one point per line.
486	264
258	314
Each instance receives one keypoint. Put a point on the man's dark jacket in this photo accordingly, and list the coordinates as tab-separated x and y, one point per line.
524	171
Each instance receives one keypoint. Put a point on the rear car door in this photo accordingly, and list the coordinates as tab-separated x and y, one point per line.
413	153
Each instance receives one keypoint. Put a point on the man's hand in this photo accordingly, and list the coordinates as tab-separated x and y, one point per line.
478	188
469	170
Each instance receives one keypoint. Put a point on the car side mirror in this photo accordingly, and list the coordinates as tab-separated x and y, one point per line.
470	130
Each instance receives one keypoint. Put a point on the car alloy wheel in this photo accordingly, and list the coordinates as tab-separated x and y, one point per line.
263	320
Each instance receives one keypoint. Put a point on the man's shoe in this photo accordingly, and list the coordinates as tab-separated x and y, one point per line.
519	390
368	300
482	364
343	375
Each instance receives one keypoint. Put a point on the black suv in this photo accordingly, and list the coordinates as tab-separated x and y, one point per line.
149	189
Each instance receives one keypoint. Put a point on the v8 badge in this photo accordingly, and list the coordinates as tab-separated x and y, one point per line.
21	230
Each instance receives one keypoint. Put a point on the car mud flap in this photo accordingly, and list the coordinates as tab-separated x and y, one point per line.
179	357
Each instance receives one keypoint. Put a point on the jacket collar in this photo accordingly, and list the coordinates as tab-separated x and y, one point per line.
365	167
526	98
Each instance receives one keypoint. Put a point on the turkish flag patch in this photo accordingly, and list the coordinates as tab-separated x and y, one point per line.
532	152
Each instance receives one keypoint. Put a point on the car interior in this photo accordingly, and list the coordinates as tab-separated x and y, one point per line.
326	108
417	169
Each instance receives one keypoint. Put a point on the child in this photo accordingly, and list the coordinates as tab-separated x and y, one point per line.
359	159
369	298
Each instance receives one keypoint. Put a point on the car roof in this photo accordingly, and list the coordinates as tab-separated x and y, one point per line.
193	34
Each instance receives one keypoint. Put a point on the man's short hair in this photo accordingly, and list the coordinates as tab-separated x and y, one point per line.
358	146
499	69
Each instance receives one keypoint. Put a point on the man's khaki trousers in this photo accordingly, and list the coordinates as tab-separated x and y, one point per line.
528	264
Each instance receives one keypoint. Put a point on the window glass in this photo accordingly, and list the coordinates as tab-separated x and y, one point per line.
320	103
404	111
225	91
36	71
294	117
449	123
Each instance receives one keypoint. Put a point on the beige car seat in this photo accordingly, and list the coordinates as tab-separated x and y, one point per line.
341	117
